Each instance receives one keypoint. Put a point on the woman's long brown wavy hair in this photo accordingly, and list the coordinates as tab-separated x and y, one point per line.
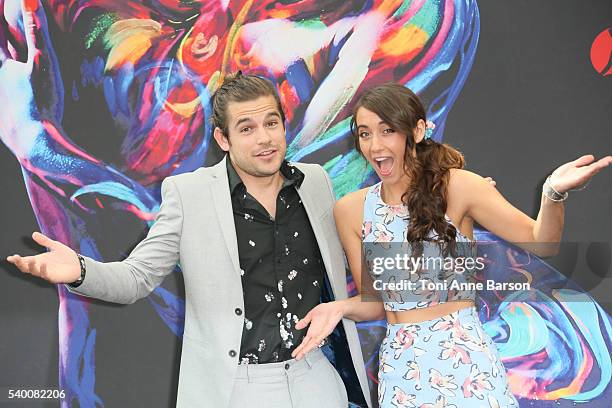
425	197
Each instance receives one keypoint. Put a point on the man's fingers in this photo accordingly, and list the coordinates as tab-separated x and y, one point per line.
43	240
15	260
21	263
33	267
43	271
26	264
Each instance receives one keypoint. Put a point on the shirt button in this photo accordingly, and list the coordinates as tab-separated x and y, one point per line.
287	366
238	311
232	353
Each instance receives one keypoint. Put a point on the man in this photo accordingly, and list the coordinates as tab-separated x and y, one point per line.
257	245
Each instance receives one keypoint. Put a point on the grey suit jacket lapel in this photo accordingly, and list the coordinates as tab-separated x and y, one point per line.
223	206
309	206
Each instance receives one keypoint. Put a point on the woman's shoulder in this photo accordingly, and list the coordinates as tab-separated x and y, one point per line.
459	177
464	185
352	198
351	205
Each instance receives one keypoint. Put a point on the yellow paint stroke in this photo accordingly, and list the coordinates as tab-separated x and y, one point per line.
129	40
409	38
232	36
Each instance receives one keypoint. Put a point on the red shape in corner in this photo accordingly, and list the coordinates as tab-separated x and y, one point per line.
601	52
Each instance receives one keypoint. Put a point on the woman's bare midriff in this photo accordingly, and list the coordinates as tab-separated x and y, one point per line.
427	313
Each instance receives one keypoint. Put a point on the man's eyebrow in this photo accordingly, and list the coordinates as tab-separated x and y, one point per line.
248	119
273	114
241	121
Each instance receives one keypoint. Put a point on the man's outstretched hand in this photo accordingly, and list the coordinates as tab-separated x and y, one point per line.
59	265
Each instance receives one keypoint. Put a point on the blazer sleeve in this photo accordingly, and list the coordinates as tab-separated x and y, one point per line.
148	263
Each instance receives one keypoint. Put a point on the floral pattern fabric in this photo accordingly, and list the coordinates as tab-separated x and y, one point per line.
448	362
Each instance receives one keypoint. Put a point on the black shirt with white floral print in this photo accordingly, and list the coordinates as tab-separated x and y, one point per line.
281	268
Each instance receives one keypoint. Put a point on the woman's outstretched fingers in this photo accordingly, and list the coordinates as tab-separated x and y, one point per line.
304	322
298	349
603	162
583	160
312	343
594	167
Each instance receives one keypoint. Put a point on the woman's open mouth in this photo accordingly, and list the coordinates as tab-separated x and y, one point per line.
384	165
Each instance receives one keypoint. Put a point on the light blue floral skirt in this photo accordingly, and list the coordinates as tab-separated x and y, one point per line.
445	362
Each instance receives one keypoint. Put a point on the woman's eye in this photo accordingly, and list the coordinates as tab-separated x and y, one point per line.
364	134
245	129
388	130
272	124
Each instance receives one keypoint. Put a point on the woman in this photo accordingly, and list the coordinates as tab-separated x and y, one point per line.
436	352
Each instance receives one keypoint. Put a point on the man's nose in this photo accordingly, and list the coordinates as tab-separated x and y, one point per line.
263	136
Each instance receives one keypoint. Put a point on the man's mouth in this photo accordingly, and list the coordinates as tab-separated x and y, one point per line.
266	153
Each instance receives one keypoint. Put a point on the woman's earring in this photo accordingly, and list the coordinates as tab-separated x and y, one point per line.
429	128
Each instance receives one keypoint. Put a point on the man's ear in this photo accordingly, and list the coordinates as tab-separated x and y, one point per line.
221	139
419	131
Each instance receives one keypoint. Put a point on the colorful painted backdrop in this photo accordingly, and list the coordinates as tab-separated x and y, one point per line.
100	100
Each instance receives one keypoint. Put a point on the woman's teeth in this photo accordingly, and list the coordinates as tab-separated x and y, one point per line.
385	165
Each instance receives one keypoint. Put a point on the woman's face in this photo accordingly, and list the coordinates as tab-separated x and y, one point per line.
381	145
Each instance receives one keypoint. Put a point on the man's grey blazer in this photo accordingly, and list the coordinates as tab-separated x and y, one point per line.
195	227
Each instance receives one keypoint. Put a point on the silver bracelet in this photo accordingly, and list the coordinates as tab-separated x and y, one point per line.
552	194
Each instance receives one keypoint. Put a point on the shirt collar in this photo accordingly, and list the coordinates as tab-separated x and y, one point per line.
291	175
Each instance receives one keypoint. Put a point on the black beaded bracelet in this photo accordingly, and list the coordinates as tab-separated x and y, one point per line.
78	282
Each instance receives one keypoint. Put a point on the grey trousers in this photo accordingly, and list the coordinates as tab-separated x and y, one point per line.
311	382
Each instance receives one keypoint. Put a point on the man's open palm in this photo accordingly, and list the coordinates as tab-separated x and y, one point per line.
59	265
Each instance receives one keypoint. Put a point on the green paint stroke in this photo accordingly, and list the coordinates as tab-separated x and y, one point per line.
99	26
312	24
428	18
348	172
402	9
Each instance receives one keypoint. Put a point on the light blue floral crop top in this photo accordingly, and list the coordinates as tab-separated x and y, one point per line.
438	278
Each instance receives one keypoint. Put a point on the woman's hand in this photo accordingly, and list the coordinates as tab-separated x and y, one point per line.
577	173
323	319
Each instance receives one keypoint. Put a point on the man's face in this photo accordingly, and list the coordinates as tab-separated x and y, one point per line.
256	141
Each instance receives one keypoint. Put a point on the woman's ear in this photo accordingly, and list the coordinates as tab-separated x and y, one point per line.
419	131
